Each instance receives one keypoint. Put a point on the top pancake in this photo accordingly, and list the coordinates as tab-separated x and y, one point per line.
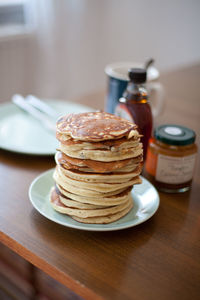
95	126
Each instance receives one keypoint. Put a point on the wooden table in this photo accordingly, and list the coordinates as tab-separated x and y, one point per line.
159	259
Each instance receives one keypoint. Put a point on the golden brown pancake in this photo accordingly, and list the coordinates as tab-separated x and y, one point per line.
98	145
98	166
103	155
105	219
100	177
106	200
95	126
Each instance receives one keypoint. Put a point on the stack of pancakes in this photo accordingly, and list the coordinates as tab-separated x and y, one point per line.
98	162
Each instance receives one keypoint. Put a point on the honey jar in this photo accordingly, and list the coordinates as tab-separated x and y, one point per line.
171	158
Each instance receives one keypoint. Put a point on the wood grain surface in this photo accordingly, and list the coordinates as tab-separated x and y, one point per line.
159	259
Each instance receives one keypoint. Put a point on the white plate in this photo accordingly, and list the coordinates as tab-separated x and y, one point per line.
20	132
146	202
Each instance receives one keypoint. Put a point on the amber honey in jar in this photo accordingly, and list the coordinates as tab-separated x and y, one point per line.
171	158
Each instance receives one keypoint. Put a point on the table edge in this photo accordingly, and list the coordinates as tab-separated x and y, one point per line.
38	262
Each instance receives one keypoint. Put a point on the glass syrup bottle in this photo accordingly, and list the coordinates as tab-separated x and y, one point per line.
135	107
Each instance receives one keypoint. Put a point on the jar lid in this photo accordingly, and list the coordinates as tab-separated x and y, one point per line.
174	135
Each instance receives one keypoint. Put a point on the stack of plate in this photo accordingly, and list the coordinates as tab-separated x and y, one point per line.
98	161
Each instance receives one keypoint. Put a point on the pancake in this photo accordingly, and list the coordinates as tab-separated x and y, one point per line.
105	219
128	168
88	165
102	144
95	126
104	155
73	145
106	200
102	177
86	213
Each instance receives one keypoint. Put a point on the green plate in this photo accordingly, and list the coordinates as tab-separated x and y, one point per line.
20	132
146	202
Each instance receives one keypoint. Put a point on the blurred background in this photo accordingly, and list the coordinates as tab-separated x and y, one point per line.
59	49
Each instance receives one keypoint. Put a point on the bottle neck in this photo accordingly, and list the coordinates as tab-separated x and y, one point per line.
136	92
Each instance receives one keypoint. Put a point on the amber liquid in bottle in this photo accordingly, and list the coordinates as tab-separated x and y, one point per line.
136	100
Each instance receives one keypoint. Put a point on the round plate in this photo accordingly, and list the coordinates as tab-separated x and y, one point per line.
145	196
20	132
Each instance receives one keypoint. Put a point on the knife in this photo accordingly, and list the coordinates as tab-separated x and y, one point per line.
20	101
42	106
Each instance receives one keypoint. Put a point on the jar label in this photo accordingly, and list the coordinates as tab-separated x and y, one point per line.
175	170
122	111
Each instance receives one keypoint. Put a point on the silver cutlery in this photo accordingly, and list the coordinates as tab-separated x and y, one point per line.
37	113
42	106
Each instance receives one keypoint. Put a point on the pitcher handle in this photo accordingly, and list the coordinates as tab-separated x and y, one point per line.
159	98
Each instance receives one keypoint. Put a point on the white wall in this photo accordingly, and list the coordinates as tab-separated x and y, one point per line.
75	39
166	30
